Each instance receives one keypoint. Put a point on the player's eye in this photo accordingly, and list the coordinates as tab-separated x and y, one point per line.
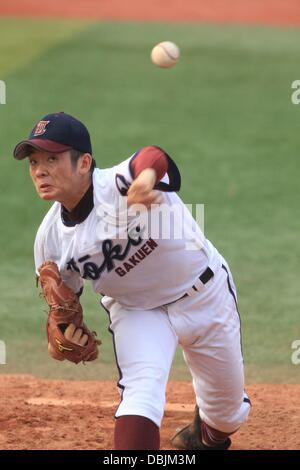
52	158
32	162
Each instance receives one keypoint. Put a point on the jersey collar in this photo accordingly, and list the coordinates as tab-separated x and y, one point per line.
81	211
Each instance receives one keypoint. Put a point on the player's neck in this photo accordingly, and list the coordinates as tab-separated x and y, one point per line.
73	199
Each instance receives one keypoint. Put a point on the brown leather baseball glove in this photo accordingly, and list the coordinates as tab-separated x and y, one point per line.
65	316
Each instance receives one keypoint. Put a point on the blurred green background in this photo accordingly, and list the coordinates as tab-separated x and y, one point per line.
224	113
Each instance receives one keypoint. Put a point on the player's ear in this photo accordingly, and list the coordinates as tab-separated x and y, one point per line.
84	163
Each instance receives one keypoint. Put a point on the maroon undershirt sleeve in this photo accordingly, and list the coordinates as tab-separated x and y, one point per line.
150	157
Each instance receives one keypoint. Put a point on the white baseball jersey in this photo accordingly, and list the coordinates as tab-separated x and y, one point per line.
142	266
137	265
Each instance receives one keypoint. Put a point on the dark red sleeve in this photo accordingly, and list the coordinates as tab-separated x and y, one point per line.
150	157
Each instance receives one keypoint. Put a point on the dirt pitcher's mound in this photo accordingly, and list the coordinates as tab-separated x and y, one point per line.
278	12
55	414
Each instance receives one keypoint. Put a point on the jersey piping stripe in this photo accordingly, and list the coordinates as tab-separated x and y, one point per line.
247	400
122	387
235	301
79	293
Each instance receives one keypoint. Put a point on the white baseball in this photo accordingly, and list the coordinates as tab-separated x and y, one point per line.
165	54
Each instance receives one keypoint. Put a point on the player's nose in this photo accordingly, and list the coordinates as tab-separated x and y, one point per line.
40	170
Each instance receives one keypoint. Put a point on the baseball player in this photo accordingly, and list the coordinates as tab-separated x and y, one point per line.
160	289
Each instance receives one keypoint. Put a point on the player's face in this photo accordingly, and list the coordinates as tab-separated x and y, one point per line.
55	178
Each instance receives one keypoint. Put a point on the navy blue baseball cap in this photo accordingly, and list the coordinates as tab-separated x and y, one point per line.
55	133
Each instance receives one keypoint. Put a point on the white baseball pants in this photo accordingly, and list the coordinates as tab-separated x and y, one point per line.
207	326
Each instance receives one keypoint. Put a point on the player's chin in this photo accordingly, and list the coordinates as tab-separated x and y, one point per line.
47	195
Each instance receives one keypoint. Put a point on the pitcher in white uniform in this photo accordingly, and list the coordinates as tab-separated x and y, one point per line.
108	226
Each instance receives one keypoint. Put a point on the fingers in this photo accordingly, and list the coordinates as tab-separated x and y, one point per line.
83	340
146	179
145	198
70	331
79	337
154	197
75	335
141	190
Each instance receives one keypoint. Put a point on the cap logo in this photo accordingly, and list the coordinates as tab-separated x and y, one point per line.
41	128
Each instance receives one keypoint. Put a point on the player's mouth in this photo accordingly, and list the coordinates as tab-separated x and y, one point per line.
45	187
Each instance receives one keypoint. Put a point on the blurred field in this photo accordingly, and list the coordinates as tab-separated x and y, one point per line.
224	114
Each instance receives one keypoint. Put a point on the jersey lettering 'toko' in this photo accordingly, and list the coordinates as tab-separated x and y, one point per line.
142	259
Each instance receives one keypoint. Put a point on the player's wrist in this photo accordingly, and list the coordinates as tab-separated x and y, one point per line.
147	178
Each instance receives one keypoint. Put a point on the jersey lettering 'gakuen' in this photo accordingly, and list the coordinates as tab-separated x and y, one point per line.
111	252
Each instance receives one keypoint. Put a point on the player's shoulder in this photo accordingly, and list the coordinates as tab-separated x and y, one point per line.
49	221
110	181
